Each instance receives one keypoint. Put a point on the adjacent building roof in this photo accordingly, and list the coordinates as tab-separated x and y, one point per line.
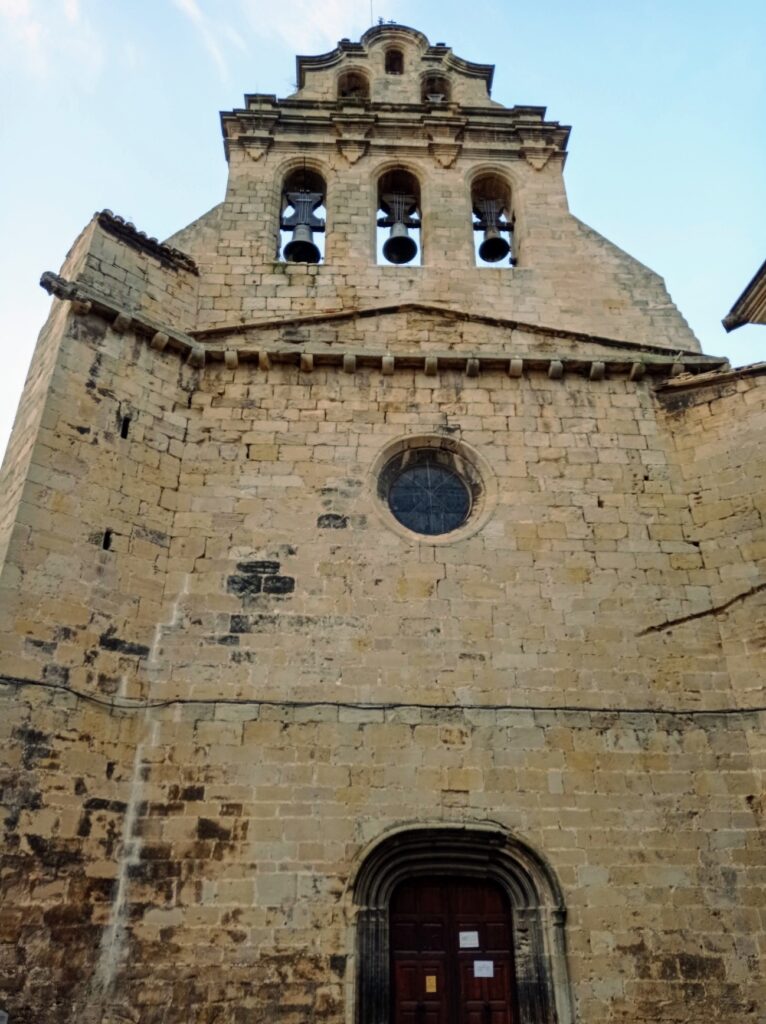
750	307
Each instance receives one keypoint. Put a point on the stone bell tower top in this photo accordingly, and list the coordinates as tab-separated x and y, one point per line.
392	176
398	62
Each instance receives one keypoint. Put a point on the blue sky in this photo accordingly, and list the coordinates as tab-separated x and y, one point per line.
114	103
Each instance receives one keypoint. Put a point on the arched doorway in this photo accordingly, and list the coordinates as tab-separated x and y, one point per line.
415	886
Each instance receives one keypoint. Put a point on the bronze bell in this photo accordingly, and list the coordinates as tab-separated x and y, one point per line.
301	248
494	247
399	248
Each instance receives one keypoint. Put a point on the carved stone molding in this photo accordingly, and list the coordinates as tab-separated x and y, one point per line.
352	150
256	147
445	153
537	158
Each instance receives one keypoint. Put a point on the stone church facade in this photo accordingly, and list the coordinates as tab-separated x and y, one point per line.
381	642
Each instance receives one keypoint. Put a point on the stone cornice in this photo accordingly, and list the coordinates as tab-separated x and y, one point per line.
448	313
515	133
636	362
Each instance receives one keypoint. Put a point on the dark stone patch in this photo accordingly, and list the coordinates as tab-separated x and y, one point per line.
701	968
258	577
97	803
243	657
227	640
266	568
193	793
154	870
57	674
79	787
244	586
46	646
278	585
22	797
109	642
108	684
89	328
239	624
63	633
67	915
153	536
208	829
35	744
82	430
231	810
84	826
110	766
338	964
162	810
159	851
332	521
52	853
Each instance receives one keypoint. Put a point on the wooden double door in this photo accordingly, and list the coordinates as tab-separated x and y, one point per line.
451	953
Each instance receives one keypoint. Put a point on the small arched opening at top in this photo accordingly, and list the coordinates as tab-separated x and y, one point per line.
394	61
353	85
492	221
435	89
302	216
398	218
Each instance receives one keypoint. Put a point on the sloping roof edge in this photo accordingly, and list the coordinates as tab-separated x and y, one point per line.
448	312
750	307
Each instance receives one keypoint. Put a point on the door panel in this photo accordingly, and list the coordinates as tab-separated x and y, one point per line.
436	978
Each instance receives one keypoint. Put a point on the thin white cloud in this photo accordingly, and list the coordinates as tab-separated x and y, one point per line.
308	25
46	37
214	32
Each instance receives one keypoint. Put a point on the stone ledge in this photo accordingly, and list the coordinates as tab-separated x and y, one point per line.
635	363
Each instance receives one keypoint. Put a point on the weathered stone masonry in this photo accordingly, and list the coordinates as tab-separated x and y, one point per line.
231	676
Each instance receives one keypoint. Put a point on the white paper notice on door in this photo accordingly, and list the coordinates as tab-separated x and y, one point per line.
483	969
469	940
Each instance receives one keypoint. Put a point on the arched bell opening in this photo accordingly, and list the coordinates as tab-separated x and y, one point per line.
399	222
479	858
394	62
302	217
492	221
353	85
435	89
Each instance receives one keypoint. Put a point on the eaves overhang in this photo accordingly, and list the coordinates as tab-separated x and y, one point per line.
750	307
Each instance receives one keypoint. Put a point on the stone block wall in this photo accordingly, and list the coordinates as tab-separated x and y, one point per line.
320	678
229	672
